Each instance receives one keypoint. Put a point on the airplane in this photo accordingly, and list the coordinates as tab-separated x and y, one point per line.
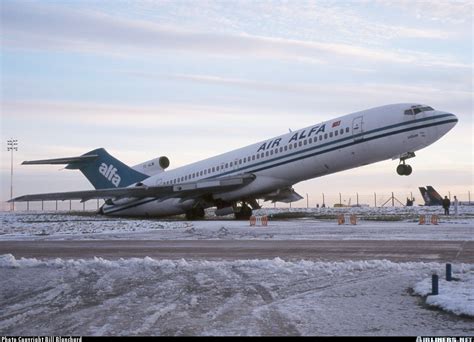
430	196
233	182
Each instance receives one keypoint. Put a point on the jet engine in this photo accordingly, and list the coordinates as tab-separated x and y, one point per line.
153	166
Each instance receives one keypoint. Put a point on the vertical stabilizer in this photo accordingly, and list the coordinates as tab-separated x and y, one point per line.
106	171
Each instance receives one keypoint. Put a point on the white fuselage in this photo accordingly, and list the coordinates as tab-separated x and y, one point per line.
342	143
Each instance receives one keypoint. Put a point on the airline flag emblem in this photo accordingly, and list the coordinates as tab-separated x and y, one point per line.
336	123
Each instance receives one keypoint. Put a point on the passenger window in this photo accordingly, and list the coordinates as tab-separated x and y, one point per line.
291	146
305	142
286	148
342	131
336	132
325	135
240	161
258	156
271	152
295	145
281	149
347	129
213	169
330	134
266	153
310	140
320	137
253	157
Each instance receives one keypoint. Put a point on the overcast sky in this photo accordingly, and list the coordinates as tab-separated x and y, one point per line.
191	79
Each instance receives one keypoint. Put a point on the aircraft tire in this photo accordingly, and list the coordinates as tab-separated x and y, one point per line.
404	170
401	169
244	213
195	213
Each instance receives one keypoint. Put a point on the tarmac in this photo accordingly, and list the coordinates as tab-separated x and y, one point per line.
324	250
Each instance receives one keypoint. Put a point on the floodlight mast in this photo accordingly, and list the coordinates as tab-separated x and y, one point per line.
12	145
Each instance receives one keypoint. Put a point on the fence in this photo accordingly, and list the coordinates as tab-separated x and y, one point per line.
375	199
382	199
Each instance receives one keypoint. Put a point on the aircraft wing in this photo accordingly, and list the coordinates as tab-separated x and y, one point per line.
190	189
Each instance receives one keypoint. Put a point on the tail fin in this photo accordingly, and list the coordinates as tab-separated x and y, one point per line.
100	168
425	196
434	196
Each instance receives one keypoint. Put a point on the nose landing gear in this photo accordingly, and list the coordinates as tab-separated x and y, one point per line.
405	169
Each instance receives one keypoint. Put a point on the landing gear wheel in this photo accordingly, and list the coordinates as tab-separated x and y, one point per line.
244	213
404	170
401	169
195	213
408	170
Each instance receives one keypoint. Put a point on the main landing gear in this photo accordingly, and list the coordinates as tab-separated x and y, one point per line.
195	213
405	169
244	213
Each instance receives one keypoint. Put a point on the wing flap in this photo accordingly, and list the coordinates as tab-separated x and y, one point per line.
285	195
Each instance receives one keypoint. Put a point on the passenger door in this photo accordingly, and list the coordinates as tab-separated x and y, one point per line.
358	128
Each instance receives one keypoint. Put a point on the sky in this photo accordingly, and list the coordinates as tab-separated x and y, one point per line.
192	79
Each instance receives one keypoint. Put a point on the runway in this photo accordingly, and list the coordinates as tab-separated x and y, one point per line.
328	250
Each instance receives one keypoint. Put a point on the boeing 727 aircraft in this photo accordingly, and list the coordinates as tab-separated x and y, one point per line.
232	182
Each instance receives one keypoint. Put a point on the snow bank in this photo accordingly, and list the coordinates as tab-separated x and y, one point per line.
456	296
146	296
275	265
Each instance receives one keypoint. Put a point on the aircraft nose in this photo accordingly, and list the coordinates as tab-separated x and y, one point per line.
453	118
450	121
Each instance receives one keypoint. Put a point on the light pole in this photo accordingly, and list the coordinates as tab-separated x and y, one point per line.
12	145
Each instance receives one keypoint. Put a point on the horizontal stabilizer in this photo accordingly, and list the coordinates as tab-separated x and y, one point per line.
59	161
100	168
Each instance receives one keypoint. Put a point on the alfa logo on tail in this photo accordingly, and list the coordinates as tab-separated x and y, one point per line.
110	172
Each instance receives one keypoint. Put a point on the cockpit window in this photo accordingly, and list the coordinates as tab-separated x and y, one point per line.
426	109
417	109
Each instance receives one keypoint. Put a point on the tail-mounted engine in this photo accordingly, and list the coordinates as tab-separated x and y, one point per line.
154	166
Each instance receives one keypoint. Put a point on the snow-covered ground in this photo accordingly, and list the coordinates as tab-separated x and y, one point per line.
456	296
239	297
252	297
296	224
